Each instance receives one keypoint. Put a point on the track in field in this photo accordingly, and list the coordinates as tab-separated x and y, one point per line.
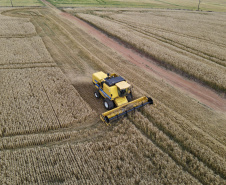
78	56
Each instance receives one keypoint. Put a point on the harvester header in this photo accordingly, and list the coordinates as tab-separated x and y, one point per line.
117	94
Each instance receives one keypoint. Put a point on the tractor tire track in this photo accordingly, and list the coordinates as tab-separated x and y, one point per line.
205	95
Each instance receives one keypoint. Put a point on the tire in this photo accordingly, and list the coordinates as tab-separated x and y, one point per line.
129	97
108	104
97	94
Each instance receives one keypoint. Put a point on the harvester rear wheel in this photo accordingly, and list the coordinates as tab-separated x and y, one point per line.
97	94
108	104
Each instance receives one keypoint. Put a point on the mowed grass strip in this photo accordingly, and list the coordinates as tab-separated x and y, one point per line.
5	3
210	5
16	3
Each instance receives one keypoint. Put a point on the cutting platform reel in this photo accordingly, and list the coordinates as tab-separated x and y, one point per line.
123	110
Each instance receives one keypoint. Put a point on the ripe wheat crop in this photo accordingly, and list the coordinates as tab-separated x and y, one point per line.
35	100
49	134
23	50
16	27
181	153
119	159
198	53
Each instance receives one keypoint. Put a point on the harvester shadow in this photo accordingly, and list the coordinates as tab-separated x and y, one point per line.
86	91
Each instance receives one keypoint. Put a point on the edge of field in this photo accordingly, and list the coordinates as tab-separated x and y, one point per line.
206	6
158	141
220	90
12	5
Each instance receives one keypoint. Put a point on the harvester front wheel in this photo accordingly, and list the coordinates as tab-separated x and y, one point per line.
129	97
108	104
97	94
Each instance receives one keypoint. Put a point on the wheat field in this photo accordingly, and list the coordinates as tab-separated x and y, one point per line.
191	43
50	131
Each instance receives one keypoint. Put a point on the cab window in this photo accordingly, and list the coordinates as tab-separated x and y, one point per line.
122	92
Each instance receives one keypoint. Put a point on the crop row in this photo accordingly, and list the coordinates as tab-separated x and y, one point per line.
186	113
193	45
181	23
191	30
22	141
191	117
179	153
170	126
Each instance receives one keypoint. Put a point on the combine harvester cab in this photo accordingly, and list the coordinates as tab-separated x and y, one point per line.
117	95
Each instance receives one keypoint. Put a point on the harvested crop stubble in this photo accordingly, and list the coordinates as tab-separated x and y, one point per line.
125	156
16	27
38	99
23	50
203	60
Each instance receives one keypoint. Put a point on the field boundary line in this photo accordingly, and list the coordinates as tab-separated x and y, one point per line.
75	160
18	36
25	67
29	63
51	105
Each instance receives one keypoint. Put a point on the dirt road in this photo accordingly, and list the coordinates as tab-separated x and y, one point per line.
79	50
189	133
193	89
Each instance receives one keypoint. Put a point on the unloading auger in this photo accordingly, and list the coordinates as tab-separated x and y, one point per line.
117	95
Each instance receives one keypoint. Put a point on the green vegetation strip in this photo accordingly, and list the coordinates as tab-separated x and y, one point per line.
21	3
217	5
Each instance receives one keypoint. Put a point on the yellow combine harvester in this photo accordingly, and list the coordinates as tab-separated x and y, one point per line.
118	96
